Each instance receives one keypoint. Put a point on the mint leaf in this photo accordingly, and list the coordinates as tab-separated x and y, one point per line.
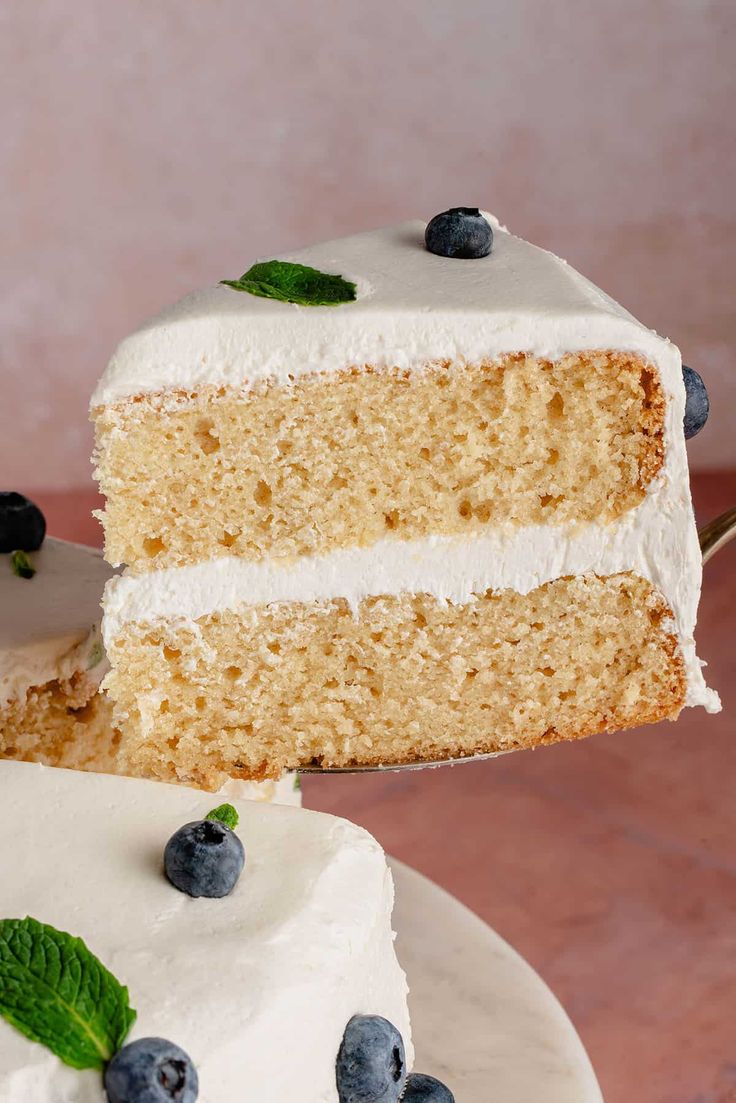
96	655
21	565
226	814
294	283
56	992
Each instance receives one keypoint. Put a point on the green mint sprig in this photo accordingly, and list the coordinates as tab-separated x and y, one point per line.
225	813
294	283
21	565
56	992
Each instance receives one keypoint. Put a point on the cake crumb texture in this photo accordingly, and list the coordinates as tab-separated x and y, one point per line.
254	692
348	459
67	724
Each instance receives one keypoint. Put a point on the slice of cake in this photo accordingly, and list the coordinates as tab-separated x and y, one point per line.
254	989
380	505
52	661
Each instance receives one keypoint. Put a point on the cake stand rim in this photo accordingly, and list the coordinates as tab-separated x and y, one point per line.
565	1071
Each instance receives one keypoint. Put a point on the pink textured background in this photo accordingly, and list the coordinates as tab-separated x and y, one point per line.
147	148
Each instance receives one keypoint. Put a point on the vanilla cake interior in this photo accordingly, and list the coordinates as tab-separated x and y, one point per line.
450	517
52	660
329	463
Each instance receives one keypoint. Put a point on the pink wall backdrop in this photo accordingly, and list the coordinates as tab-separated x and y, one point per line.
156	145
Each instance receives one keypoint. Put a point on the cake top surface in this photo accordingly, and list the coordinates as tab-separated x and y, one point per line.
48	618
412	307
236	982
62	600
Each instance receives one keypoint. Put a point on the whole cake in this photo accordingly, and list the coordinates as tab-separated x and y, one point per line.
52	661
417	493
265	993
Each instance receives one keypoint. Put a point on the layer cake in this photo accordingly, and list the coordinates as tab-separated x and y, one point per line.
448	515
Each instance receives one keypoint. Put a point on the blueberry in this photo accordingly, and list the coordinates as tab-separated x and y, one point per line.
425	1089
697	406
461	232
371	1067
22	525
151	1070
204	858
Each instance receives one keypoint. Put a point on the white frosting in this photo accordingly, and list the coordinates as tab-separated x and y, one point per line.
49	624
284	790
412	308
257	987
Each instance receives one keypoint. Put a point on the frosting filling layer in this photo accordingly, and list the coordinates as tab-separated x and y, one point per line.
448	568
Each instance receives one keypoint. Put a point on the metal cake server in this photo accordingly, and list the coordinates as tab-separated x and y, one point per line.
717	533
713	536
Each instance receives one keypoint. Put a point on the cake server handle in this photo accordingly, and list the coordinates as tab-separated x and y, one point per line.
717	533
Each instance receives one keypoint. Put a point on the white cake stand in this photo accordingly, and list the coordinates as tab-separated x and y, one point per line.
483	1021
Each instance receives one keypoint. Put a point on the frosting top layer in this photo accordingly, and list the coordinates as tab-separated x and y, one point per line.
49	627
256	987
412	307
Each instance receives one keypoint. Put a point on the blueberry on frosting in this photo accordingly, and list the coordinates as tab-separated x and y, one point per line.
425	1089
371	1065
22	525
204	858
461	232
151	1070
697	406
